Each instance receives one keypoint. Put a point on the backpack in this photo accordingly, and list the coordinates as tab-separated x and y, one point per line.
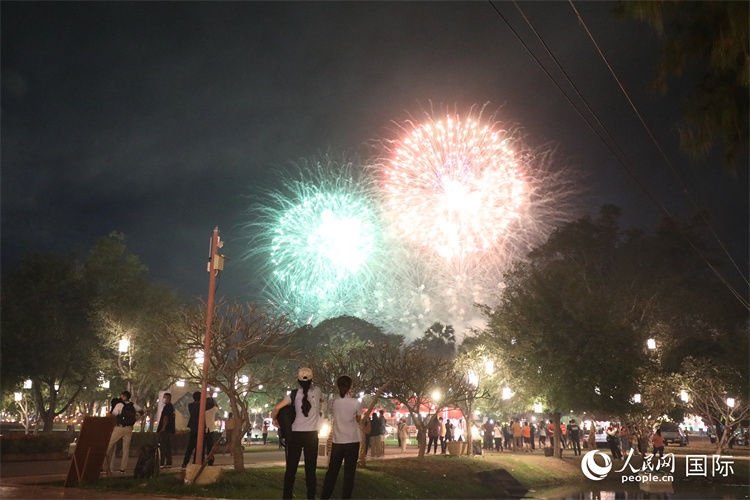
148	463
127	417
286	417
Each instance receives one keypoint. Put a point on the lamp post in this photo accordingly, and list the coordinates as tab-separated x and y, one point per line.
215	263
123	348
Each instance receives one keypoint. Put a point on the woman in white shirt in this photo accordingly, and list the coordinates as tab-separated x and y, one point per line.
304	432
346	413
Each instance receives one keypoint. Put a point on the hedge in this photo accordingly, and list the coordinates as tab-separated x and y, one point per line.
18	443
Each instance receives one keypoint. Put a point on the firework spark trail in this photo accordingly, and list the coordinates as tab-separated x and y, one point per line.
319	236
471	199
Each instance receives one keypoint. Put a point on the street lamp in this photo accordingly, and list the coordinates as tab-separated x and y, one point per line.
436	395
489	367
123	345
651	344
684	396
18	396
507	393
636	398
537	407
730	402
27	383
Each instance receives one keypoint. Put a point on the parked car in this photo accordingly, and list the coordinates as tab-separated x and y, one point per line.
672	433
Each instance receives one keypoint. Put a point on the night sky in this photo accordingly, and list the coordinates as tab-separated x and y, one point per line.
159	120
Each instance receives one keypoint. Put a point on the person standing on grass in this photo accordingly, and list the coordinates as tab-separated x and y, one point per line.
346	412
304	432
433	432
165	430
592	437
441	435
574	435
372	436
614	441
383	433
211	411
532	429
526	431
498	436
264	430
126	412
517	436
658	441
624	439
403	434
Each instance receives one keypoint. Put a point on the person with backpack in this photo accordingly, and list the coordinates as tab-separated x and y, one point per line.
126	413
304	431
346	413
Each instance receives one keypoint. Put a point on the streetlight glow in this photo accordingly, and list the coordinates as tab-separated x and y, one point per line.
105	384
436	395
636	398
199	358
123	345
27	383
489	367
730	402
651	344
684	396
18	396
244	379
507	393
537	407
180	383
473	378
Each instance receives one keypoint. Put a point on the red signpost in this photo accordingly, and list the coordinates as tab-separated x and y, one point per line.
214	265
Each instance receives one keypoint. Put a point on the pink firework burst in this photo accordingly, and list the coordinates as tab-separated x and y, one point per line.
455	186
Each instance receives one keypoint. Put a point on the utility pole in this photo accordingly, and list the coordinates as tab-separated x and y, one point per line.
215	264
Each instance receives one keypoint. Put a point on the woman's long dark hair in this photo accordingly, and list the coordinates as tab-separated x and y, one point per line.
306	405
344	383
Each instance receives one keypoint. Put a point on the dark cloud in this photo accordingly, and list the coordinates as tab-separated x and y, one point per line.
158	119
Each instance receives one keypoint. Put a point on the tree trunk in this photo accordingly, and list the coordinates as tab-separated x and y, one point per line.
557	450
235	445
469	424
723	440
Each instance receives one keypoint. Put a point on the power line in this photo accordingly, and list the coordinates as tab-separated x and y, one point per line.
609	141
667	161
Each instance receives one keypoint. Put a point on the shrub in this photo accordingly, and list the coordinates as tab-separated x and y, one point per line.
17	443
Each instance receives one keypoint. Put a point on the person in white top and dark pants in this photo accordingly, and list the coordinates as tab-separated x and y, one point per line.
346	413
304	432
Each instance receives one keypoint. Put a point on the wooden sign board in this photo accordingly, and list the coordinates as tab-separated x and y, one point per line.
91	450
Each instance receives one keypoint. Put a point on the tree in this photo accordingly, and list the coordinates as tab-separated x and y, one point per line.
248	343
710	40
440	339
423	380
573	321
131	315
718	394
46	333
563	325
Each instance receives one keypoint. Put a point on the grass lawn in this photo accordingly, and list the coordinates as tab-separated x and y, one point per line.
433	477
